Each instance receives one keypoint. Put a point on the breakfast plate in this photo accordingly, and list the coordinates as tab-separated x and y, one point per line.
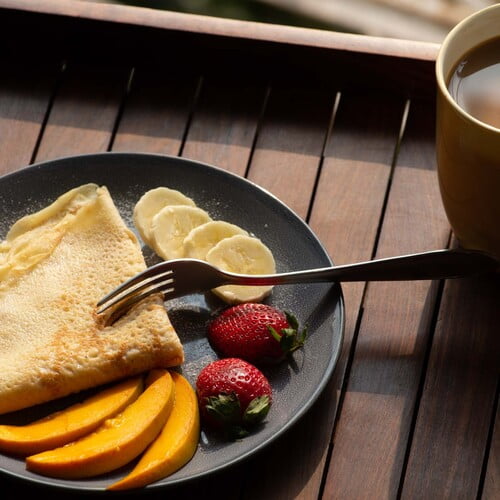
296	383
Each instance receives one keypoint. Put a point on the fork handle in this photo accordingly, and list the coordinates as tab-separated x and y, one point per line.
437	264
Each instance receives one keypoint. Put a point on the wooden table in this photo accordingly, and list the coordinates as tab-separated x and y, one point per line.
340	127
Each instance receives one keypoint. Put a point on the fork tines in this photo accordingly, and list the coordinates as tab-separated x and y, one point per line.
158	278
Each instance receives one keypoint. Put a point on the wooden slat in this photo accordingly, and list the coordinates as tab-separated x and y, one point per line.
225	122
288	153
290	144
156	112
372	17
84	112
227	27
491	489
458	400
349	201
352	187
25	92
373	429
221	133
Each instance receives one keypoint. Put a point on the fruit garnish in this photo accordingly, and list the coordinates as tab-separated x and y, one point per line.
150	203
175	227
244	255
71	423
175	445
234	396
117	441
171	225
258	333
203	238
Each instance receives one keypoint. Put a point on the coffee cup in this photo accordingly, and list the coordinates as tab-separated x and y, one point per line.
468	139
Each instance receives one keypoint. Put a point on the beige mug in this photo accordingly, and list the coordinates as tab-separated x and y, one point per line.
468	150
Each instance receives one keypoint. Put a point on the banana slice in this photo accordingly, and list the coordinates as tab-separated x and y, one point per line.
203	238
150	203
245	255
171	225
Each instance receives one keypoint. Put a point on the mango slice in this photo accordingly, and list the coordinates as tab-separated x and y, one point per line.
176	444
71	423
117	441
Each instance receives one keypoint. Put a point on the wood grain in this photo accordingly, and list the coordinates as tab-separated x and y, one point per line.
25	93
357	162
351	193
290	144
491	488
228	27
225	121
352	187
156	112
372	432
84	112
458	399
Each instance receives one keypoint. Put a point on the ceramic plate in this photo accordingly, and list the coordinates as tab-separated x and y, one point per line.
296	384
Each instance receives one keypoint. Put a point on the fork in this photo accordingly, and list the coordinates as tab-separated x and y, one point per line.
175	278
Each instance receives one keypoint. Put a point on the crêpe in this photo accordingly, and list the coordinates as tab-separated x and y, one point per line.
54	266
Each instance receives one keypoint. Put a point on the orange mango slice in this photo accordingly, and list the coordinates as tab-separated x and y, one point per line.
176	444
71	423
117	441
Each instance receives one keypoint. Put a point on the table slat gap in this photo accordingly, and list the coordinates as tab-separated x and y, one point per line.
84	111
490	483
121	108
50	104
318	423
27	91
290	143
192	108
225	124
258	128
323	150
421	385
288	153
397	147
156	114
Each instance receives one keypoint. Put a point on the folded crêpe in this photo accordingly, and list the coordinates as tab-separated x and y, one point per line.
54	266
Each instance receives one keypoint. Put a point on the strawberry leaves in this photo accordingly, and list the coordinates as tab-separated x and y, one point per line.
225	409
290	339
257	410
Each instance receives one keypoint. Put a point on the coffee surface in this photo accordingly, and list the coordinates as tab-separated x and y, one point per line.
474	83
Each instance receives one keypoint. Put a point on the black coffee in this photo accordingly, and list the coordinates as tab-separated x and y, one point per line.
475	82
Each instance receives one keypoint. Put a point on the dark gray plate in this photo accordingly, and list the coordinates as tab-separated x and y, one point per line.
296	384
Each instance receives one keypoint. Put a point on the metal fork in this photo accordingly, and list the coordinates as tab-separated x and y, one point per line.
180	277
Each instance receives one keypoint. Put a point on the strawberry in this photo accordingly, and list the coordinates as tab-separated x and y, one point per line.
233	395
256	332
